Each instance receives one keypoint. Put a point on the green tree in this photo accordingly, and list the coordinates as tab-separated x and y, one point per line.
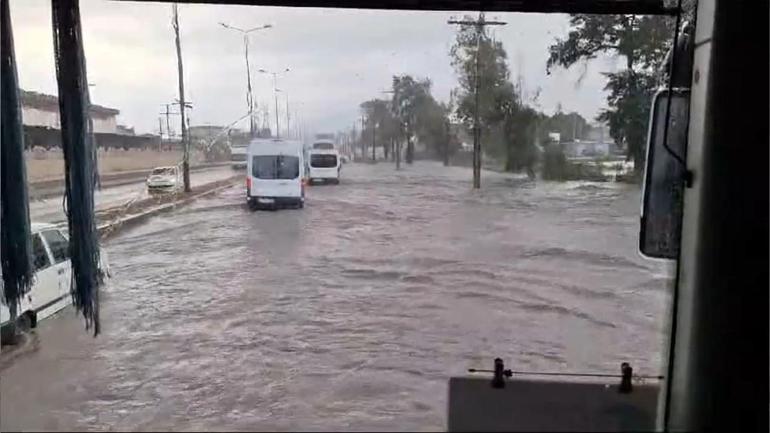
408	97
508	126
379	120
471	44
642	41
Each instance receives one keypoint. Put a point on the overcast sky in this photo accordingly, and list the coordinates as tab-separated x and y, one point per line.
337	58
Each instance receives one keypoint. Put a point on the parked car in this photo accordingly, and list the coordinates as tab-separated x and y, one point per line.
50	291
164	179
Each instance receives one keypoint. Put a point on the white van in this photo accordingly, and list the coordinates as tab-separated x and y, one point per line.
50	291
275	174
324	166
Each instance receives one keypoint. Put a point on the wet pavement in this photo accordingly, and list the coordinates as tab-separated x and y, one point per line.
351	313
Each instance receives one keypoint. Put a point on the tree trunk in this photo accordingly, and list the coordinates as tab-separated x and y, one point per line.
409	150
386	148
398	154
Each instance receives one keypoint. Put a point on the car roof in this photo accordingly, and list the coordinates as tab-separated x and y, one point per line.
164	167
268	146
38	227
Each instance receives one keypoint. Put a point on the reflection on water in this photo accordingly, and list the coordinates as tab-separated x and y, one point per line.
351	313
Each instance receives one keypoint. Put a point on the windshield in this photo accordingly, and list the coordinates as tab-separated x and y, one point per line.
275	167
323	161
166	171
488	206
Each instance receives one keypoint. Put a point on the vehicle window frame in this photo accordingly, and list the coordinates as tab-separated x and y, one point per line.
276	168
54	260
323	157
46	249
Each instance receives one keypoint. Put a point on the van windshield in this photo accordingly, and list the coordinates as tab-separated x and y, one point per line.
323	161
275	167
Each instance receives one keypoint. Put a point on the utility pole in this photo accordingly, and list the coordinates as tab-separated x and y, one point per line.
479	25
185	142
160	133
168	121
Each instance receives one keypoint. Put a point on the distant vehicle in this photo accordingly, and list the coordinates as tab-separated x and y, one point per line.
50	291
275	174
324	166
164	179
238	155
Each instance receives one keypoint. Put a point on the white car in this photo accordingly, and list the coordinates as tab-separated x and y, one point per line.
275	174
50	291
164	179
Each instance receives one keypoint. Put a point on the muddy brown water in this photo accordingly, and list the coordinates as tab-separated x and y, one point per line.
351	313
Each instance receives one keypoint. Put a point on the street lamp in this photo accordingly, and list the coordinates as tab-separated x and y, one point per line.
275	93
288	126
249	96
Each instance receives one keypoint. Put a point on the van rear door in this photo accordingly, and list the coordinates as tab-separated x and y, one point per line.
276	176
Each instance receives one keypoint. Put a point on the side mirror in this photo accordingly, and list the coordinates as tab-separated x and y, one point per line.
664	177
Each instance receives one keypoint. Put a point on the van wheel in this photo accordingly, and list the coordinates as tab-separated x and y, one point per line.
252	205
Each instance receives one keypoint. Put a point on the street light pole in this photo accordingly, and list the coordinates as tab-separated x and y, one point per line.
275	94
288	126
249	93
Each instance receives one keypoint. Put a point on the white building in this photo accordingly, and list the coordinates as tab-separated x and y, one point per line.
41	110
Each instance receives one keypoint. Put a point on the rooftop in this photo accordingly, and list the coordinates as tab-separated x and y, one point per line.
42	101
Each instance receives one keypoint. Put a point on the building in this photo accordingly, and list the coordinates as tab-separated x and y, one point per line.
42	127
39	109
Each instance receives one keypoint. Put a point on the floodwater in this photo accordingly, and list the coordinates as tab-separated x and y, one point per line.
352	313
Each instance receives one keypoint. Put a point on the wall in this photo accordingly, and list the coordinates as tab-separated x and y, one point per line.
36	136
37	117
50	119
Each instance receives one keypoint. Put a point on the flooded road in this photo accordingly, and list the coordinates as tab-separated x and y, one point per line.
352	313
